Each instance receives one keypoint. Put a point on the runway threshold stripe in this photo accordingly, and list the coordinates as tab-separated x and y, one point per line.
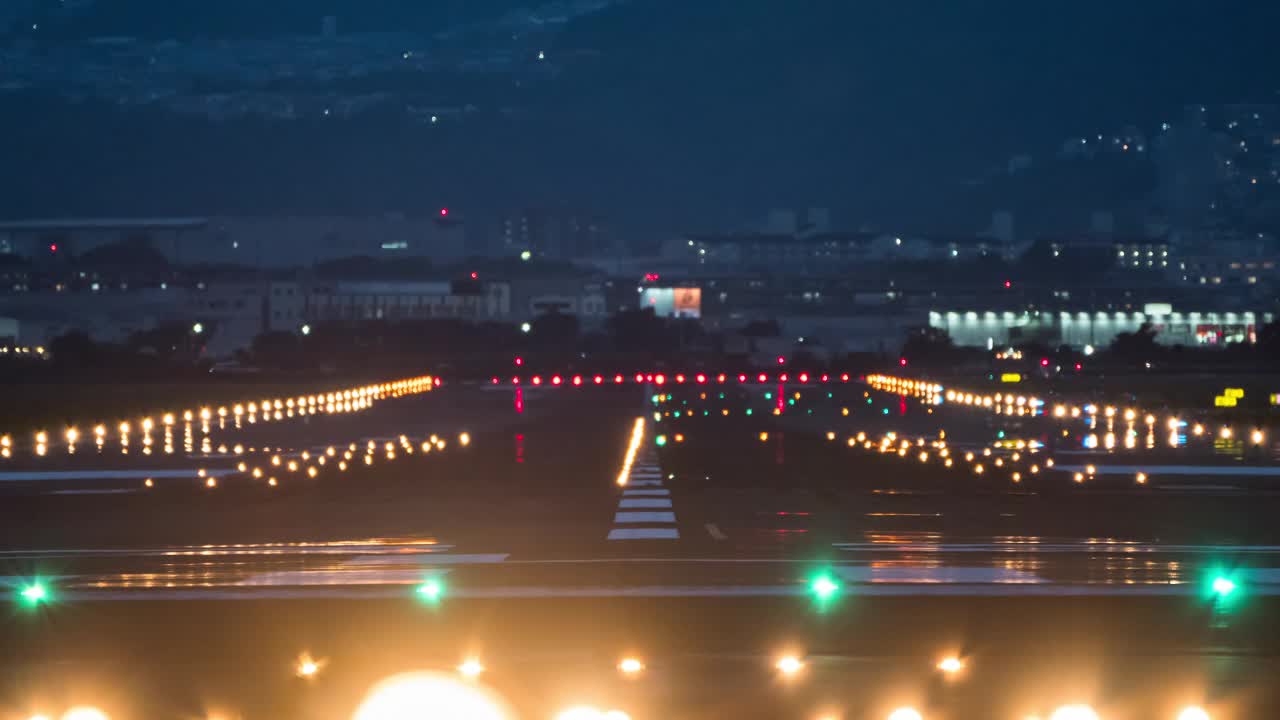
644	517
644	534
644	503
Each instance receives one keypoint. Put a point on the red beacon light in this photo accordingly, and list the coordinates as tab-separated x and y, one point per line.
515	380
618	379
680	378
720	378
804	377
537	379
701	378
660	379
555	380
781	360
763	378
577	379
598	380
844	377
742	377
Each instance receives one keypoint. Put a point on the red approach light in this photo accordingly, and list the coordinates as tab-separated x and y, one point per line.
1044	362
742	378
782	377
53	247
763	378
474	275
1008	284
701	378
519	361
555	380
444	212
680	378
720	378
515	380
660	379
804	377
577	379
844	377
1079	367
639	378
618	379
902	362
825	377
537	379
781	360
495	379
598	379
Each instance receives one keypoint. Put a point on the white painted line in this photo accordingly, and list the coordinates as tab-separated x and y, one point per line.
644	534
933	575
434	559
715	532
637	491
644	483
1156	471
664	591
1082	548
302	578
105	491
21	475
644	503
636	473
644	517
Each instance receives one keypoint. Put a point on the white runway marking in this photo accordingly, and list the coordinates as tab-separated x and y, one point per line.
105	491
1081	548
644	517
644	534
27	475
644	503
1156	471
656	591
643	489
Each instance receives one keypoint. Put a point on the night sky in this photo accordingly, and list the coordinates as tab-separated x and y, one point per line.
665	114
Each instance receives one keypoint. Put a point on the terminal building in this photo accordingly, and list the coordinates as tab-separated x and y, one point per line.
992	329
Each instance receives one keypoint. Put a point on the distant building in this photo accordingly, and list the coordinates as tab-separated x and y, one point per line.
353	301
994	329
552	235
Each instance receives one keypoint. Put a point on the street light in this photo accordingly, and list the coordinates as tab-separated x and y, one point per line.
525	327
198	328
305	329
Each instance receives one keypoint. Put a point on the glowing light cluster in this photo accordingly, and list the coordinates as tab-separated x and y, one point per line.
269	409
633	447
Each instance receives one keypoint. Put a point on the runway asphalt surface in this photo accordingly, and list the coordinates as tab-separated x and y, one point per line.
180	599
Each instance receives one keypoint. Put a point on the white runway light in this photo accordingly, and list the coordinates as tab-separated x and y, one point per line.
431	696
